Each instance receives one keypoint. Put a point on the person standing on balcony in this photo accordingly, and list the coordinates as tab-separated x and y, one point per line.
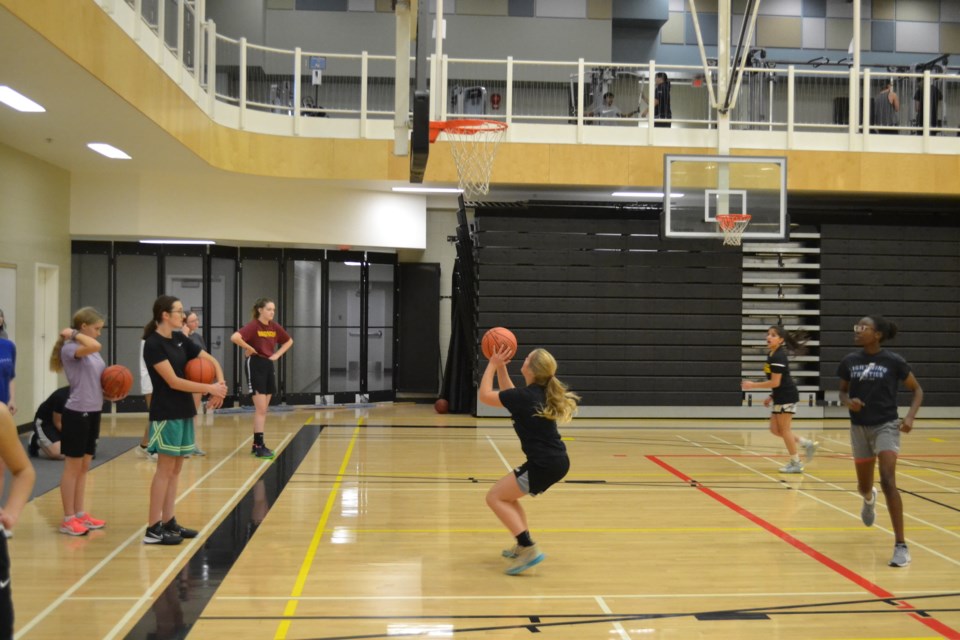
935	98
886	109
662	113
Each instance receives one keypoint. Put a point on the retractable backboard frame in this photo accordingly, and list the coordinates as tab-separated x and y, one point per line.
697	188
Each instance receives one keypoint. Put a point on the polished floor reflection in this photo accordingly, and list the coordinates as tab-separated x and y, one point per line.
372	524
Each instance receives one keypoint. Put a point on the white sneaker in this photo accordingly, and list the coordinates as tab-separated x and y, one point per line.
793	466
146	455
810	449
901	556
869	511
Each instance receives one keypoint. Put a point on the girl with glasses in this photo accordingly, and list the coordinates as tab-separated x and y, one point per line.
869	380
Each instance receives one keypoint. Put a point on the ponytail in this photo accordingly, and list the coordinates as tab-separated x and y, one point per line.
561	403
794	340
84	315
163	304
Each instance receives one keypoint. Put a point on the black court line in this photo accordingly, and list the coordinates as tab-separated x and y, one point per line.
535	622
923	496
179	605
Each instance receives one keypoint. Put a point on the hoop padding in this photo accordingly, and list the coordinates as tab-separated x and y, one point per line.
474	145
732	225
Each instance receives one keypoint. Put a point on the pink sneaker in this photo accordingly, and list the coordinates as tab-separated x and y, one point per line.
90	522
73	527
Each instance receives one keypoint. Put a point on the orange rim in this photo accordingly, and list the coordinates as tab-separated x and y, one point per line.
729	220
464	127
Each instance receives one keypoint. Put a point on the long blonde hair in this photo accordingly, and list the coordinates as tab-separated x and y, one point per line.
85	315
561	402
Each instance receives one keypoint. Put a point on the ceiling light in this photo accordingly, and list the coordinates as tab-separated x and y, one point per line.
427	190
352	264
105	149
643	194
18	101
174	241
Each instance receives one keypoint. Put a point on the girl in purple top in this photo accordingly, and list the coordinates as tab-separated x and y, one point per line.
77	354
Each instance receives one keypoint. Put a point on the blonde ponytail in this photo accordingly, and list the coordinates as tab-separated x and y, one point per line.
84	315
561	403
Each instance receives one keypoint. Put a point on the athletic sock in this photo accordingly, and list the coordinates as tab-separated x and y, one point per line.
524	539
258	439
795	458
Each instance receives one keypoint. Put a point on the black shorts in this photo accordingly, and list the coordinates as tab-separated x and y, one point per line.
81	430
261	376
6	595
542	475
46	433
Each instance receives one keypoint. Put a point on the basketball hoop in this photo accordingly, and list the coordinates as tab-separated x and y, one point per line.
474	145
732	225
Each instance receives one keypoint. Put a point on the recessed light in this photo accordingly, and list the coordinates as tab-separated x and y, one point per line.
427	190
18	101
643	194
110	151
174	241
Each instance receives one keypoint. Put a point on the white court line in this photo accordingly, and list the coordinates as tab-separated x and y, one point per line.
189	550
497	449
63	597
840	509
573	596
616	625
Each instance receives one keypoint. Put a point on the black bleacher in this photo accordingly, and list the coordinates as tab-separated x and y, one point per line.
633	320
909	274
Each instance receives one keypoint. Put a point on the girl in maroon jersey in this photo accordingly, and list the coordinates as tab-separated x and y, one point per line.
259	339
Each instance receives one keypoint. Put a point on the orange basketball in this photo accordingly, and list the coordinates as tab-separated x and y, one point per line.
441	406
116	381
496	337
200	370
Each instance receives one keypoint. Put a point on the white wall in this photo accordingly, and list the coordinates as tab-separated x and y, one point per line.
34	214
236	208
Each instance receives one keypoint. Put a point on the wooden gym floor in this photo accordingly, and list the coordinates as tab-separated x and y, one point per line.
371	523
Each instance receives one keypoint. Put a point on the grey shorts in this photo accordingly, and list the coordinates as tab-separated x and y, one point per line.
867	442
790	407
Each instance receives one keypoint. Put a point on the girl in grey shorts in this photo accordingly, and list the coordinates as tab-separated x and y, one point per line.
869	380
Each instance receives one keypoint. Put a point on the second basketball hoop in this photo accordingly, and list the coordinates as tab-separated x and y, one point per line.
474	146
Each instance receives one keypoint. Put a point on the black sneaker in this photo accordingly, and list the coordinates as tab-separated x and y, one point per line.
174	527
34	447
261	451
158	535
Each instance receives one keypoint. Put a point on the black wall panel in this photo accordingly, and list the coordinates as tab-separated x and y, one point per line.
634	320
909	274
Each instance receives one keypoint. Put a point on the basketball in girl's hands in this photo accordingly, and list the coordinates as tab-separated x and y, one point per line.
496	337
116	381
200	370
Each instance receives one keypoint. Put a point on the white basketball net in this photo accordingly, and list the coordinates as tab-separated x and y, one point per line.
732	225
474	146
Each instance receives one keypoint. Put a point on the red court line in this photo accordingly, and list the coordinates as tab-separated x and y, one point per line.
877	590
819	455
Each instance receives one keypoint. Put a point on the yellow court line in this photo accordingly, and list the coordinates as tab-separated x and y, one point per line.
627	530
291	608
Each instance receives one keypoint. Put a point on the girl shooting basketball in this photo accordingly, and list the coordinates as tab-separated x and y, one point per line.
536	409
784	394
869	380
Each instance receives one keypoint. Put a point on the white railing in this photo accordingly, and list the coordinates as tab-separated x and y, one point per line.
253	82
